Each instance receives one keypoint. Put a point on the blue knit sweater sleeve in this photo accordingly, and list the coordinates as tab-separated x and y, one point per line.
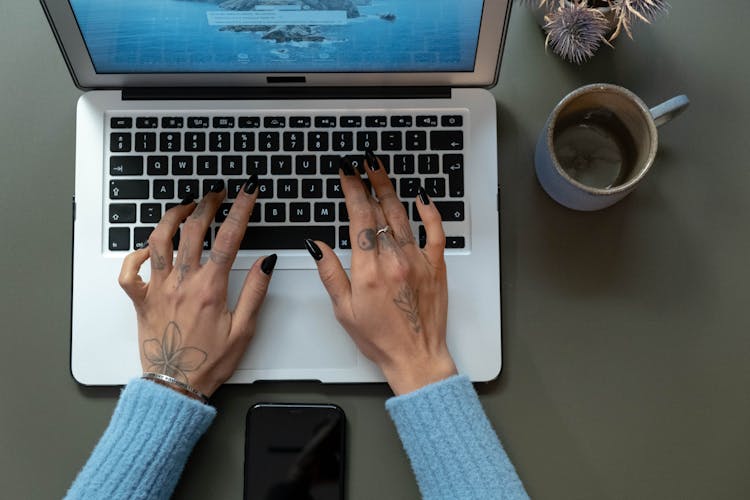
144	449
452	447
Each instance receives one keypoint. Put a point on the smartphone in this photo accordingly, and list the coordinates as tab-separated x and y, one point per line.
294	452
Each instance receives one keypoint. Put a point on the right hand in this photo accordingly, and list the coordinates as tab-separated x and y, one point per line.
395	306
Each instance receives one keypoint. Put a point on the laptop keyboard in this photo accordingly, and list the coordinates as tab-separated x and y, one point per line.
156	160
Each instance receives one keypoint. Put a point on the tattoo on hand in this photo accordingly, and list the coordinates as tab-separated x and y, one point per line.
184	264
404	236
199	210
219	257
366	239
169	357
408	301
158	261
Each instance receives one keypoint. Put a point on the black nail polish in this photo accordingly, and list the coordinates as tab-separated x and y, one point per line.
268	264
145	245
217	186
187	200
314	249
346	166
372	161
251	185
423	196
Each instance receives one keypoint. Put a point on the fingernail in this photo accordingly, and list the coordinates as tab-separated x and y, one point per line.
346	166
251	185
217	186
372	161
145	245
314	249
187	200
423	196
268	264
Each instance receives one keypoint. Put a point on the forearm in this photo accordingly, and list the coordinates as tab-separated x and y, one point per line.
452	447
145	447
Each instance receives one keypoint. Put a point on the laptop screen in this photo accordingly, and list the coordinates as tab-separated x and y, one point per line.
279	36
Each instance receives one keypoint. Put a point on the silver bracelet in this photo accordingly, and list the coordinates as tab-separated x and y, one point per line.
173	381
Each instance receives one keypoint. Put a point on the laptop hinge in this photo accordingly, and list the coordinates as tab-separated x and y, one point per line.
233	93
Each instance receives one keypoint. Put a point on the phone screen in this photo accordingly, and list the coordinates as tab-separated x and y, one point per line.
294	452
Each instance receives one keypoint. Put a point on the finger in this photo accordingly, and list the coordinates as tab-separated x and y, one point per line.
361	216
334	278
232	230
129	279
251	297
433	226
195	227
160	241
394	211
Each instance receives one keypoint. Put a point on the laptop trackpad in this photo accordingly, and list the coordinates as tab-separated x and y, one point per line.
296	328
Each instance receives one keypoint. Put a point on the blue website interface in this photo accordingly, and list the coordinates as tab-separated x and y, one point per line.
279	36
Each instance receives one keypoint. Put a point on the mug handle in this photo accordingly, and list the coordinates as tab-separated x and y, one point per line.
668	110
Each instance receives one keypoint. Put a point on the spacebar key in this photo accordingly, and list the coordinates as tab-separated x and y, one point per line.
285	237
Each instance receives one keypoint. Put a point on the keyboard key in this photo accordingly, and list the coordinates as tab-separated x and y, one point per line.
265	188
325	121
329	165
268	141
429	164
126	165
351	121
150	212
401	121
312	188
147	122
231	165
249	122
170	141
299	212
452	120
257	165
344	241
435	187
208	184
172	122
182	165
294	141
333	188
145	142
453	165
195	141
300	121
455	242
187	189
403	164
325	212
274	122
376	121
317	141
128	190
140	236
120	142
343	212
367	140
343	141
223	122
120	122
358	163
275	212
119	238
208	165
391	141
427	121
234	187
281	165
198	122
306	165
446	140
416	140
422	237
163	189
244	141
255	215
121	213
286	188
218	141
286	237
409	187
450	211
222	212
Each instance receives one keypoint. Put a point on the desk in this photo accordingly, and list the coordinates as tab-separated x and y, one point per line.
626	332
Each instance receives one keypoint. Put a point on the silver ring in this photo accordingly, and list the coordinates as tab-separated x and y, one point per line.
383	230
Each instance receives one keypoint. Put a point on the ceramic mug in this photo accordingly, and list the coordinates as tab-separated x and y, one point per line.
598	143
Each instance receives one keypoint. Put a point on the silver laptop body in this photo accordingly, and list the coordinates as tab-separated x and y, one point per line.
140	96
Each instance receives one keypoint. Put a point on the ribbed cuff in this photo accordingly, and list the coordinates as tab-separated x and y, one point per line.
452	447
145	447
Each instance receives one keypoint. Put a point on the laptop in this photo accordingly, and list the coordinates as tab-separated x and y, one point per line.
182	93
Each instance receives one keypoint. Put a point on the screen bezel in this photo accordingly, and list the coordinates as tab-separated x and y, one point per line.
493	28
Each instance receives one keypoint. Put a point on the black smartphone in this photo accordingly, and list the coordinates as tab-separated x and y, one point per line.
294	452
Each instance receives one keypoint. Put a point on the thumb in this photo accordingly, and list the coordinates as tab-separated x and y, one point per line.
253	293
331	272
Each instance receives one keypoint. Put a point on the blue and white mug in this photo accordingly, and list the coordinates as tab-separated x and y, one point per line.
598	144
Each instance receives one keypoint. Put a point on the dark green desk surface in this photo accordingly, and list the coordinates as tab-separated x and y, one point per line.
626	332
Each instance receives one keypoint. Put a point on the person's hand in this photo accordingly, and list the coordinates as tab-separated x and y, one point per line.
185	328
395	306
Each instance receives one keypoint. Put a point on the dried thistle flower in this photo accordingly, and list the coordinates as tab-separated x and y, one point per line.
575	31
630	10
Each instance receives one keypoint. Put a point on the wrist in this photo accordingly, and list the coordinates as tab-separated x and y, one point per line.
414	374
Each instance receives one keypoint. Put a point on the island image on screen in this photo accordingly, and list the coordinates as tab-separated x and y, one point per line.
279	36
